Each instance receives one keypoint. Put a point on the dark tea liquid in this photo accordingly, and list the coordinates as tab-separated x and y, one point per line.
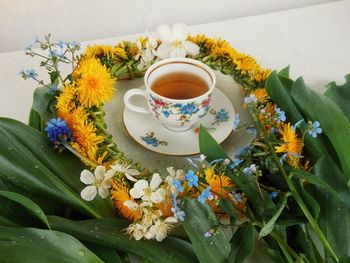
180	86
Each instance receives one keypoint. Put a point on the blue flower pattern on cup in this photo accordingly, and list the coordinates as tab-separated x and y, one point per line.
183	111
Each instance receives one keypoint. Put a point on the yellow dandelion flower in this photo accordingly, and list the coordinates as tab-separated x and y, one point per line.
218	182
261	95
291	144
261	74
120	194
99	51
95	84
65	99
74	117
86	140
221	48
245	64
198	39
121	49
100	158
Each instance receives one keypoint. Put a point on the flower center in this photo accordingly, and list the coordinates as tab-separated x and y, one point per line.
148	191
176	44
92	83
98	183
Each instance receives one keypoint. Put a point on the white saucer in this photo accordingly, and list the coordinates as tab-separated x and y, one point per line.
151	134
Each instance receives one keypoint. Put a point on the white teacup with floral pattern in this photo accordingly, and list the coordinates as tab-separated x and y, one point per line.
174	114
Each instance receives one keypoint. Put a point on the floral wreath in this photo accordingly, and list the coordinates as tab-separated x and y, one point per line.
155	204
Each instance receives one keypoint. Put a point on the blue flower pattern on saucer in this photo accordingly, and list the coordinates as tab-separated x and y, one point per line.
220	116
150	139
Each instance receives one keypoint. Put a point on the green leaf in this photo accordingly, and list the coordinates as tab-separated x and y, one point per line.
340	95
29	162
334	216
284	72
199	219
300	240
110	233
312	179
209	147
108	255
344	259
34	120
308	199
333	122
6	222
43	105
32	245
242	243
26	202
268	228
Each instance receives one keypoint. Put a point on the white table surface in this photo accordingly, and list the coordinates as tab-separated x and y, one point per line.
313	40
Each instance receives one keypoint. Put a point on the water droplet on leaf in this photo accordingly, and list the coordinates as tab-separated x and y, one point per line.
81	253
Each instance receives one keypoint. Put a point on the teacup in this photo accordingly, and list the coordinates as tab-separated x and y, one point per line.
177	103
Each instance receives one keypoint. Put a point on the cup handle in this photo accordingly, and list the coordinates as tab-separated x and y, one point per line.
134	92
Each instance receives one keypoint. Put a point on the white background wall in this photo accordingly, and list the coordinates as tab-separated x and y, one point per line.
22	20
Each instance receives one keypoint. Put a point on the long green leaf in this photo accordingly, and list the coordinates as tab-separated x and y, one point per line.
27	203
209	147
110	233
28	161
334	216
312	179
268	228
333	122
242	243
34	120
340	95
32	245
199	219
107	254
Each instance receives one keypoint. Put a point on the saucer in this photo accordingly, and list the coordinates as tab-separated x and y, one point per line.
146	130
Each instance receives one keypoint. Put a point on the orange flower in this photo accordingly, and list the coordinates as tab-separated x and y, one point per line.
261	95
120	194
291	144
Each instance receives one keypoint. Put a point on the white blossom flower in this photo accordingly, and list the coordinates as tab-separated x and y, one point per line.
149	191
174	175
136	230
99	182
147	51
150	216
125	169
160	229
174	43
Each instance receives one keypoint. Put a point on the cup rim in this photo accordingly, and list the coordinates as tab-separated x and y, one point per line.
193	62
